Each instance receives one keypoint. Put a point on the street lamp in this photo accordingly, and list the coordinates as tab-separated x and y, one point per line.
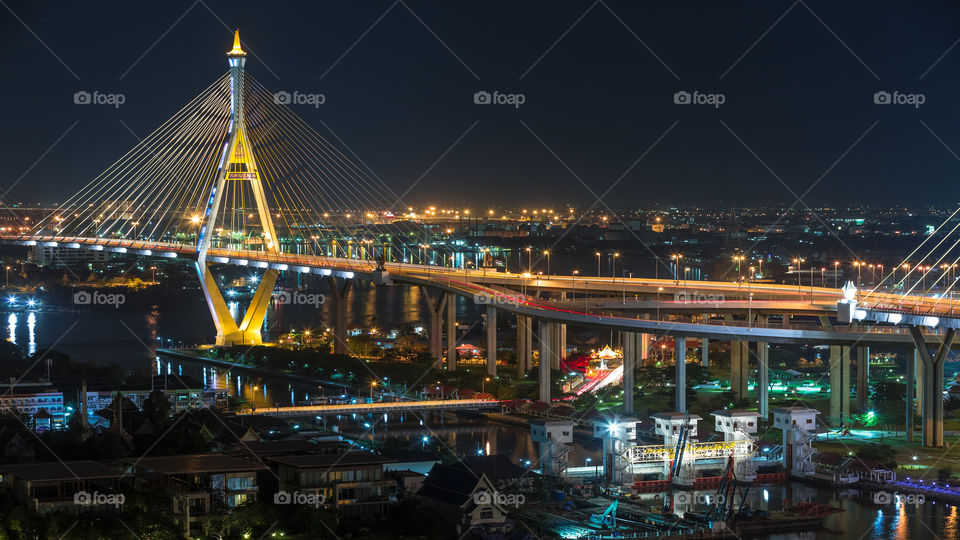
598	263
7	286
372	385
153	272
738	259
529	259
483	383
613	269
836	266
547	253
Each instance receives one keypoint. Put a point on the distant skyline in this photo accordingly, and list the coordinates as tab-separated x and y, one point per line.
790	94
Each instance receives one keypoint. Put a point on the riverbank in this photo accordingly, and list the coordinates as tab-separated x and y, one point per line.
266	372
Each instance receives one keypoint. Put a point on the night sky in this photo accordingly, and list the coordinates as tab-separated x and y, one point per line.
798	82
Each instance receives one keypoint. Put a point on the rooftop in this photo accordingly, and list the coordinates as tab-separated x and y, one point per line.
332	460
674	416
61	471
196	463
735	413
783	410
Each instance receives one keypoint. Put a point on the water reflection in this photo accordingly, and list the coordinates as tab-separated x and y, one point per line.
12	329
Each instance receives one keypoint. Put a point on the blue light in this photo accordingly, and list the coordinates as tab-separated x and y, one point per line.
11	299
31	302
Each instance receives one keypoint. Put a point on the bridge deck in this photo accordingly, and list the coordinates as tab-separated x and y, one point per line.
374	408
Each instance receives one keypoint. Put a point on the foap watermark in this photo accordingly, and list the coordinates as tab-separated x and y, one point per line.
497	497
85	498
687	498
682	97
885	497
496	299
299	298
497	98
696	297
298	98
97	298
898	98
315	500
82	97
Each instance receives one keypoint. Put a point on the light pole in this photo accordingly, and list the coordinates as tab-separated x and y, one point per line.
547	253
836	267
153	271
798	262
822	282
676	263
659	290
598	263
760	267
7	286
372	385
613	269
738	259
483	383
529	259
858	264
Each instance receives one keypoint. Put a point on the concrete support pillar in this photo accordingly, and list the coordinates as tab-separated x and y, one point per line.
339	292
491	341
523	346
918	379
839	384
705	352
739	366
544	371
863	378
763	380
436	302
558	344
644	349
451	332
681	373
932	412
528	344
633	346
912	358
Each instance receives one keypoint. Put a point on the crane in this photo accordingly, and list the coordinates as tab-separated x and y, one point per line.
608	519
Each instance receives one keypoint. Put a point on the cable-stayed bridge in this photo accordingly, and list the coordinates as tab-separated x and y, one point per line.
236	178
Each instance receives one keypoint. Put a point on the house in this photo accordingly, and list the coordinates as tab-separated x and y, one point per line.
72	486
199	484
351	484
466	499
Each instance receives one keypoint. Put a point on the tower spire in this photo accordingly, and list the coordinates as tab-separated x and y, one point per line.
236	50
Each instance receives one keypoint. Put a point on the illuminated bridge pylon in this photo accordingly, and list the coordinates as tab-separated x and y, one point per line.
237	165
